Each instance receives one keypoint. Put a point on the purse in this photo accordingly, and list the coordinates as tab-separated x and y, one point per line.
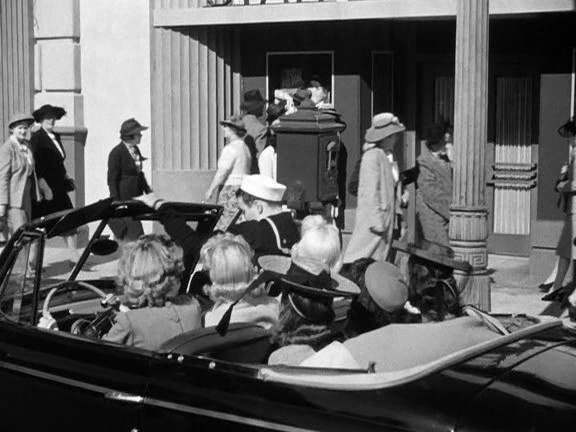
69	184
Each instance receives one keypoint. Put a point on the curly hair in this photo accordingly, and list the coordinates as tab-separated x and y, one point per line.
149	271
433	290
303	320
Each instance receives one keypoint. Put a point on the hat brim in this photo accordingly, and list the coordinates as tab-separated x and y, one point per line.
374	135
232	125
413	249
28	120
341	287
45	110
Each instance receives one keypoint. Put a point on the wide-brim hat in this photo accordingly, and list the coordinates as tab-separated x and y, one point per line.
48	110
433	252
336	286
131	127
20	118
263	187
383	126
568	129
234	122
386	285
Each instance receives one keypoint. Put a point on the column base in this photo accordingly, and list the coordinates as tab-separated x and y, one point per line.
475	290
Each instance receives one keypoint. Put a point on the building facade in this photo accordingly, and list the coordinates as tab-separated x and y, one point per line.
182	65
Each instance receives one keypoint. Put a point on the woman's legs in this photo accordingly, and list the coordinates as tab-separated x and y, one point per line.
71	245
563	266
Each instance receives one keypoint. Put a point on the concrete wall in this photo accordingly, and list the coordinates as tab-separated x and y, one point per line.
115	49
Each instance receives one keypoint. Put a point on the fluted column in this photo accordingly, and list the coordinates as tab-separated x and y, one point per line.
16	60
195	84
468	221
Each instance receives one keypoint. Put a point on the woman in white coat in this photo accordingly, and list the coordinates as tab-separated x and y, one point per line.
377	198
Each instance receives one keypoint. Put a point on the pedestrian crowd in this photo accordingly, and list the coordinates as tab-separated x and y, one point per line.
262	266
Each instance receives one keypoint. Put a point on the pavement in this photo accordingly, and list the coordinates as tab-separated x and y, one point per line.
513	289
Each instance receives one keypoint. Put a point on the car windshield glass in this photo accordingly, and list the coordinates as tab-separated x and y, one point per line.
18	285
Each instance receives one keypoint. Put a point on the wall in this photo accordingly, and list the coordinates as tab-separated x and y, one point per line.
115	51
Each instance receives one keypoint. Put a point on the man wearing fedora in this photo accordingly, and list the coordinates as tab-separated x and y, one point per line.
256	132
268	229
125	177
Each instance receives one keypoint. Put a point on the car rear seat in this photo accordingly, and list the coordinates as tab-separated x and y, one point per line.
243	343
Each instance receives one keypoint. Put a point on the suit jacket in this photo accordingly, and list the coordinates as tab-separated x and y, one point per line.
15	171
124	180
150	327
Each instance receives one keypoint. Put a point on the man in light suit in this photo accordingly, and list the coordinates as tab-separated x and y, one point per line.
125	177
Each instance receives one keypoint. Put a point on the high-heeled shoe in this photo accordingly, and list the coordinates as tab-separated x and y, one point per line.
545	287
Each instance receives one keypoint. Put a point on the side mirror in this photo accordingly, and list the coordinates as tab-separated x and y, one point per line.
104	247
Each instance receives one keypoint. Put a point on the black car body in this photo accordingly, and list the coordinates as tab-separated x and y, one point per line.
57	381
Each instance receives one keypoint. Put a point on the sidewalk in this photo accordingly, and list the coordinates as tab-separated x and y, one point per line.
513	290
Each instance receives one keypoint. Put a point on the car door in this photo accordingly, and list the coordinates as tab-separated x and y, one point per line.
50	380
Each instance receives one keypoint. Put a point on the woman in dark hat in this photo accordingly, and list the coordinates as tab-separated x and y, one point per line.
49	154
126	179
18	182
434	188
233	164
309	287
433	290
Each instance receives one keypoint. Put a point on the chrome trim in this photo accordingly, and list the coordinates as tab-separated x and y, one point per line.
55	378
224	416
112	394
124	397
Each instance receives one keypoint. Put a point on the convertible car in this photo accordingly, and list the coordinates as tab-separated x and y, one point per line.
474	373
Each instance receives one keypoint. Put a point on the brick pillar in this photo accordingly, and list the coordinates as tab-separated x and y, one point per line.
468	221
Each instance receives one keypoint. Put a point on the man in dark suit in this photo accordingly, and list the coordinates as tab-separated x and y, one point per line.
125	177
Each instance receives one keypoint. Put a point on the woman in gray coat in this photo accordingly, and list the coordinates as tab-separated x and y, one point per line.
149	273
377	195
18	182
434	189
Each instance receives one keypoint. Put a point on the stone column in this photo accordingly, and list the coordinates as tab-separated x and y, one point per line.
468	221
57	81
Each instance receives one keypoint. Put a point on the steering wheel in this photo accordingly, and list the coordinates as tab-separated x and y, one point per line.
47	320
490	322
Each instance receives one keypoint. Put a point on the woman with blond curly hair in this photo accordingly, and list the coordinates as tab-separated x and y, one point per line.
231	271
149	274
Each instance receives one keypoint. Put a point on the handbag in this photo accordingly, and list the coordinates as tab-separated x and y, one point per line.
69	184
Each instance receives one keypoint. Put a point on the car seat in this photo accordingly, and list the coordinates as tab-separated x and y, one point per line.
243	343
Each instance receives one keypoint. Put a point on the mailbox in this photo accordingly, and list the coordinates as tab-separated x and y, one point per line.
308	146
